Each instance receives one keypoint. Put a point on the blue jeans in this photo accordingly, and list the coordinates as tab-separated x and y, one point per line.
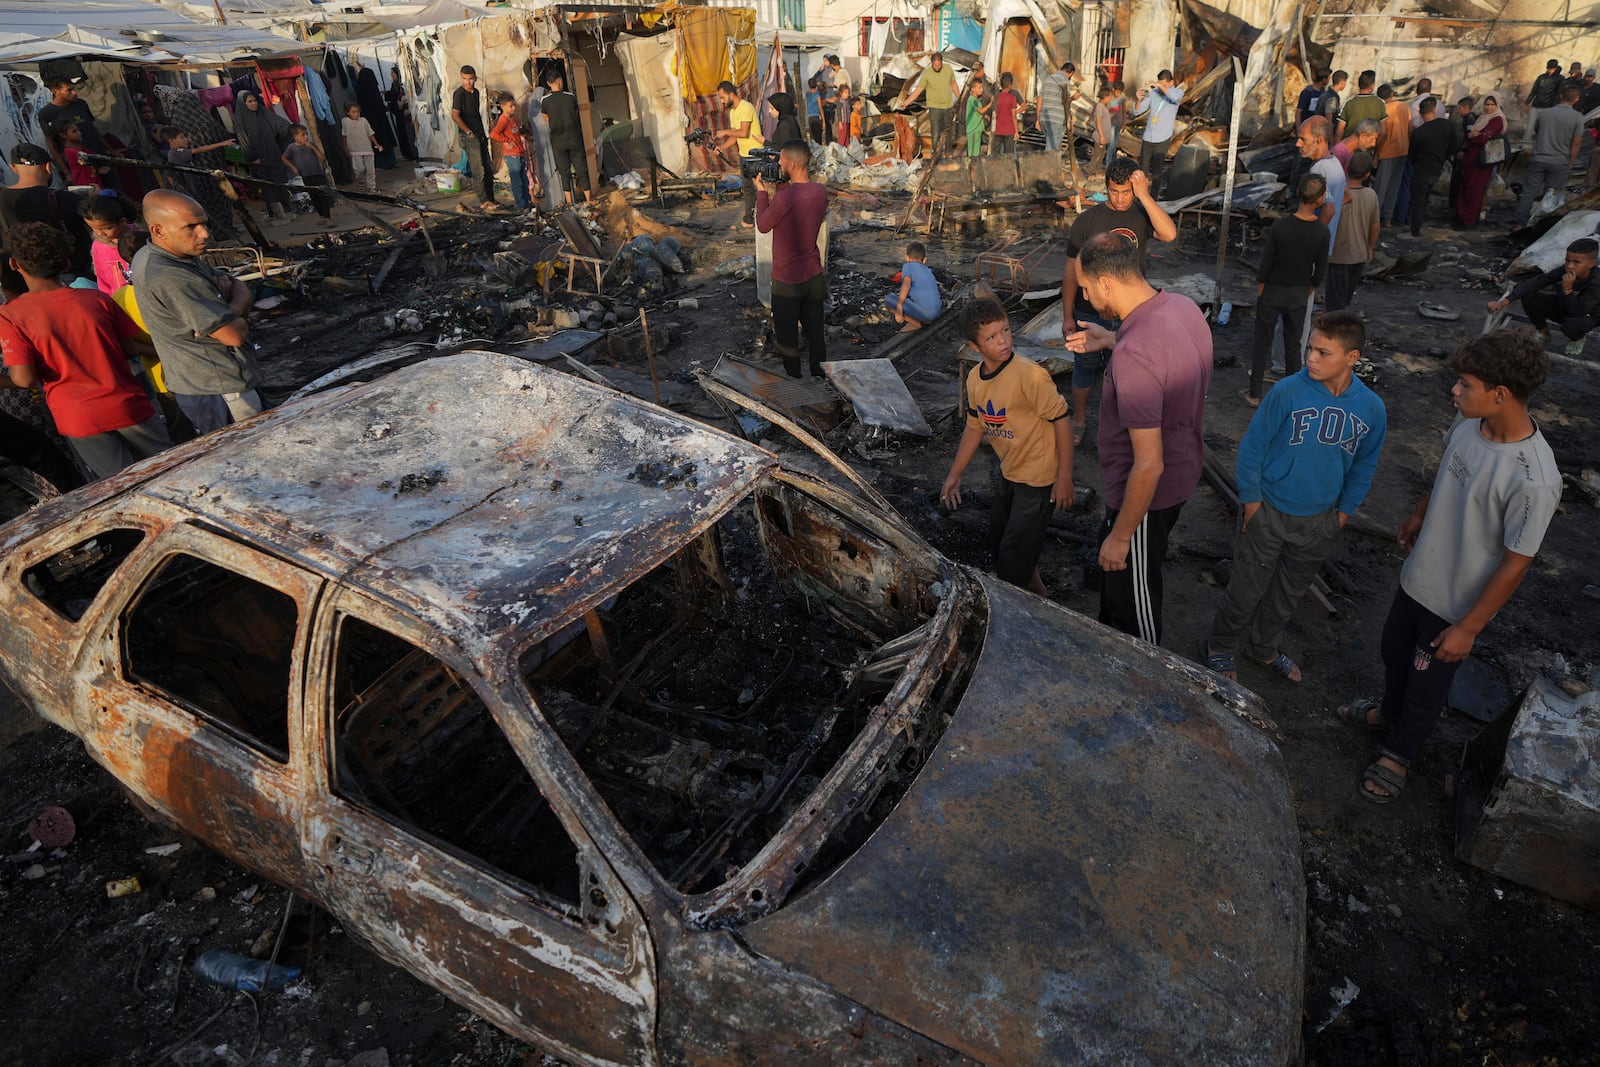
1111	152
1053	130
517	175
912	309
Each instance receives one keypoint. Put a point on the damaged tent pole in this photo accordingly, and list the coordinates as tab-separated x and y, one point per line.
377	198
1233	166
650	354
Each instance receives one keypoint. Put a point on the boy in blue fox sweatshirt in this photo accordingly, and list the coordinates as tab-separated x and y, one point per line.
1304	465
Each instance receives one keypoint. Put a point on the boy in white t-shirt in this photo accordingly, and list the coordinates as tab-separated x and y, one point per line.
1472	541
361	143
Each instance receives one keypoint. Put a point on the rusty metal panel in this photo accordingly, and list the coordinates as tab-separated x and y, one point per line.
1528	800
1099	864
878	394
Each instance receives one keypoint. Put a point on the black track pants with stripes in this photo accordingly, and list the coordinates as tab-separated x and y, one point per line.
1130	599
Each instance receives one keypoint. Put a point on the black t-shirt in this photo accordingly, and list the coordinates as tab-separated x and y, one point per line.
58	208
1433	144
1310	97
469	104
1296	253
562	111
76	113
1133	224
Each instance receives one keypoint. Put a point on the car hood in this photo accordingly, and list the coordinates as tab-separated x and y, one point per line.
1099	863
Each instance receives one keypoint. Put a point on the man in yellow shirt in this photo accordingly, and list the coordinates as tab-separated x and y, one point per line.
741	137
938	85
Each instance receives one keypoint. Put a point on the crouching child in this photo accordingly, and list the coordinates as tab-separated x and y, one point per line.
1472	541
1305	464
1014	405
917	303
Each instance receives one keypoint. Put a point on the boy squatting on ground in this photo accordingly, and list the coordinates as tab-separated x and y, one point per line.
1015	406
917	303
1472	541
1305	464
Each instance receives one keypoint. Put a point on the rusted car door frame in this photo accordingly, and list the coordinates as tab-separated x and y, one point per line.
189	769
362	859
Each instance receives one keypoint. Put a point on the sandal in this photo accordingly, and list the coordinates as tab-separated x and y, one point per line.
1379	775
1363	715
1253	401
1079	431
1220	662
1282	665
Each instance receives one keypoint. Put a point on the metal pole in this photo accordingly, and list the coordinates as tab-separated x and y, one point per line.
1233	165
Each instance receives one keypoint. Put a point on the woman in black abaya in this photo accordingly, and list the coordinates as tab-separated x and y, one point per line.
376	112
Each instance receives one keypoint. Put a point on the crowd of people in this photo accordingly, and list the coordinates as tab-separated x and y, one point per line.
1304	465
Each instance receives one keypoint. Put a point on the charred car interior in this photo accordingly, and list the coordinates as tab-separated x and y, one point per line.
712	696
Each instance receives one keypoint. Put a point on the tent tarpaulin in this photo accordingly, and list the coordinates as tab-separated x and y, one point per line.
711	40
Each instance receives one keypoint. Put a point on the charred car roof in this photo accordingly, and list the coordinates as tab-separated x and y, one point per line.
386	485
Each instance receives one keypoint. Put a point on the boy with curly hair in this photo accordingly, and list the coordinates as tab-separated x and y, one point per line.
1472	541
76	343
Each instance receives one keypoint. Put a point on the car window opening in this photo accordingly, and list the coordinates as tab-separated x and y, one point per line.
219	643
414	742
70	580
707	700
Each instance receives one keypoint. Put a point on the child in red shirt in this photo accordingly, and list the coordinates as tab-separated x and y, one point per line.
507	133
76	344
1003	138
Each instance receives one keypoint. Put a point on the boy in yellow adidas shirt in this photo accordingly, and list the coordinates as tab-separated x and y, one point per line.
1016	407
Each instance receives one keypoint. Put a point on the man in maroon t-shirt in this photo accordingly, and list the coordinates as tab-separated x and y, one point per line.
793	215
1151	421
76	343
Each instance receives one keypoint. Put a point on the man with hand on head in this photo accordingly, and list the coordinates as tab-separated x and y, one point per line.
1131	211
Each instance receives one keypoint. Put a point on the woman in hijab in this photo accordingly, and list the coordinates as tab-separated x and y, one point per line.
1475	173
787	128
400	112
263	134
376	112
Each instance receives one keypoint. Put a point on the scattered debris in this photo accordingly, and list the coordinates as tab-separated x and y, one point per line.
1437	311
123	887
1328	1005
53	827
1527	800
230	970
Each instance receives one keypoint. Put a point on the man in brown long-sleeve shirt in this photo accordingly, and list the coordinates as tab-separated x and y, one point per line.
794	215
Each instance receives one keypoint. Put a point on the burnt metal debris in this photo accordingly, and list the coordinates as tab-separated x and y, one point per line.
1527	801
696	766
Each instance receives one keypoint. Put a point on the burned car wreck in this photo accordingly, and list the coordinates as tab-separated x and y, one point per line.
651	750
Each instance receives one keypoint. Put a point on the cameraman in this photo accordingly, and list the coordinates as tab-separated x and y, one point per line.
742	137
794	216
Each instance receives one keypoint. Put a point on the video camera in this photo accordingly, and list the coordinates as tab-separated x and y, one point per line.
762	163
696	138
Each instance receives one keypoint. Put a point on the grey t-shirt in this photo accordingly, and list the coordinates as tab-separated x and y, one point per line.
182	308
1552	138
1487	498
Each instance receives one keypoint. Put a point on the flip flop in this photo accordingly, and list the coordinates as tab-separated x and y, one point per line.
1283	666
1363	715
1253	401
1220	662
1079	432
